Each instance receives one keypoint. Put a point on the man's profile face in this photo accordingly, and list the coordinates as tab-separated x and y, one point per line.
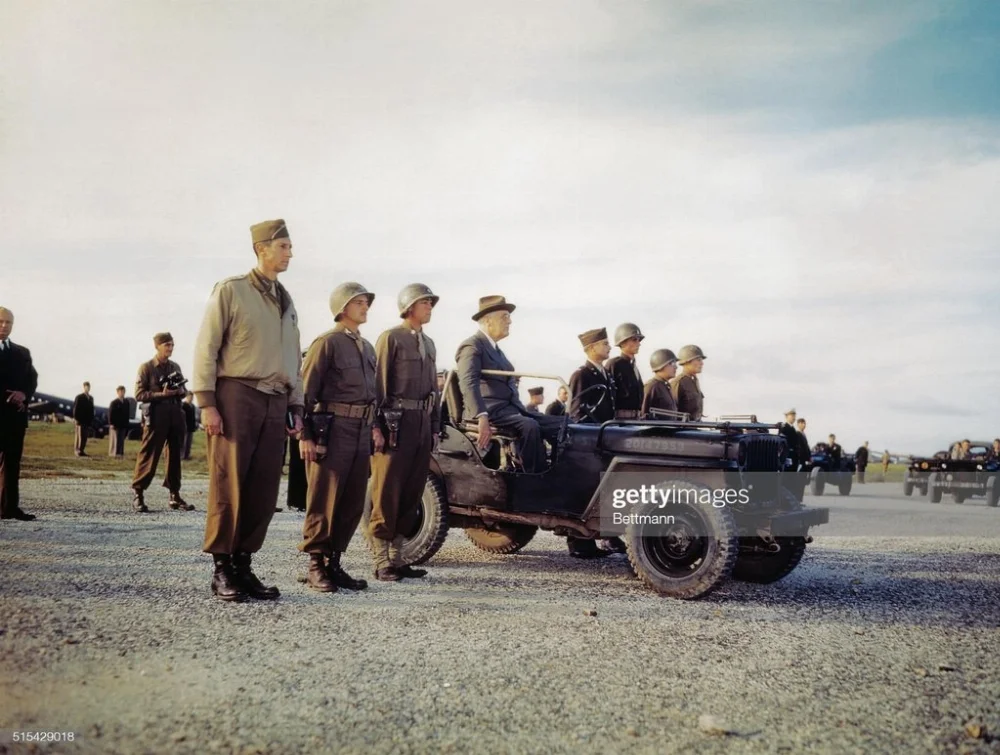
790	418
86	387
6	323
599	351
422	310
165	350
802	424
357	309
276	255
630	346
563	394
833	439
498	326
694	367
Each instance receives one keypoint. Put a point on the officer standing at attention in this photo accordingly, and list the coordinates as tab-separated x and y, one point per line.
83	416
338	380
246	380
166	424
409	417
598	405
656	392
685	387
625	372
119	412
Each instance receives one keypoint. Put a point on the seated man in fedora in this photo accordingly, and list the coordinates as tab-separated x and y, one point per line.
493	399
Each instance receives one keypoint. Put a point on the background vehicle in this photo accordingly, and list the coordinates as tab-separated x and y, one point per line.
979	474
501	507
825	469
918	473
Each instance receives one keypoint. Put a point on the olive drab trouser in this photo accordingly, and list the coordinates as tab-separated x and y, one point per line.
335	495
398	480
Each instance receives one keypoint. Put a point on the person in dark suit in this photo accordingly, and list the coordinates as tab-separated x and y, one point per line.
804	448
558	407
598	403
861	460
836	452
118	419
83	416
536	397
493	399
18	382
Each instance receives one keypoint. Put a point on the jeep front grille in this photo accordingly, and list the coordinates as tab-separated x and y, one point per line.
765	453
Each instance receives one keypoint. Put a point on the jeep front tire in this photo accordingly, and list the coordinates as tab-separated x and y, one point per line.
501	538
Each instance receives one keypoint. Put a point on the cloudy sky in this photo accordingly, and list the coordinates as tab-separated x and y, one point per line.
806	190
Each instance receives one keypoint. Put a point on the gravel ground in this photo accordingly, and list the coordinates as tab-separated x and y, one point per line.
875	644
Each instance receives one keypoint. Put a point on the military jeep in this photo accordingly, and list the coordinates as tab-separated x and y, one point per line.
761	538
917	475
824	469
978	474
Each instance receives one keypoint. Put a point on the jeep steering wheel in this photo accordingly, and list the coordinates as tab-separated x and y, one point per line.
588	409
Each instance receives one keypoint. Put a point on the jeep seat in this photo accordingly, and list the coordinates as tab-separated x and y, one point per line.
500	448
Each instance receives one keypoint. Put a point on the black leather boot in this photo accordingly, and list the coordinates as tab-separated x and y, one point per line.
317	577
138	502
252	586
341	578
178	503
409	572
224	583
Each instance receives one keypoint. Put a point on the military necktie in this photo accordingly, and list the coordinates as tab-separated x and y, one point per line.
420	344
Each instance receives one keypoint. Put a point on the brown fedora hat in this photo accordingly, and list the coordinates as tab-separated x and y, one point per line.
494	303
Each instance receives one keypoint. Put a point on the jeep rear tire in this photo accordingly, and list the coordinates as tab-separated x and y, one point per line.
845	487
907	484
816	481
958	496
993	491
934	489
761	567
687	559
501	538
431	528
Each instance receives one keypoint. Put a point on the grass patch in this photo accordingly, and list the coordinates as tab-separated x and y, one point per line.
48	452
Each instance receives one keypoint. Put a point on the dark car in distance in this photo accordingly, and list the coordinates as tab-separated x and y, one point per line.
978	474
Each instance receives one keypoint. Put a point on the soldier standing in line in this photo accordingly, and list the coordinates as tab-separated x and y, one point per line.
165	424
685	387
118	419
861	460
338	381
190	424
625	372
806	449
558	407
598	405
656	392
247	382
409	418
83	416
536	396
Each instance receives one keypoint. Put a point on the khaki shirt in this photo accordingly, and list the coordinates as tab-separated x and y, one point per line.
337	370
251	335
147	381
402	373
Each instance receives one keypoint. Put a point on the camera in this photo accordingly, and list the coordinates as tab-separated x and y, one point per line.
173	381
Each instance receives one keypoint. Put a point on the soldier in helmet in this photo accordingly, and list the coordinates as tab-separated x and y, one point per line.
536	397
625	372
685	387
409	425
338	380
598	403
656	392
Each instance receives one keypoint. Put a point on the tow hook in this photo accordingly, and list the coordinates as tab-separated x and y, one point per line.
773	547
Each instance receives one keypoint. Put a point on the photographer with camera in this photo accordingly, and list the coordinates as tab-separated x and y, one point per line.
160	386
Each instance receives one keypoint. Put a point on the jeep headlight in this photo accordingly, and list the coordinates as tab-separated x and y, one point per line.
944	466
979	467
924	465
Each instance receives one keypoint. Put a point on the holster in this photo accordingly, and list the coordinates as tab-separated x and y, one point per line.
321	425
391	418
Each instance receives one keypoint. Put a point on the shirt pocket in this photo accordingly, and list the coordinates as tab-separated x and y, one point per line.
348	364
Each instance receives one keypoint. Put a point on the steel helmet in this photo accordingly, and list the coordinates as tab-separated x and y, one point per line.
689	353
626	331
413	293
342	296
660	359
